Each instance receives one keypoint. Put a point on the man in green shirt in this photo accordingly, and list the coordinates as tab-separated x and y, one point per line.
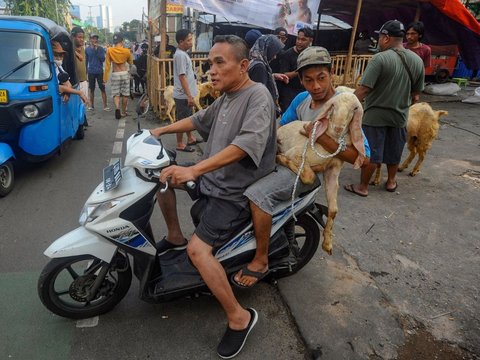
392	81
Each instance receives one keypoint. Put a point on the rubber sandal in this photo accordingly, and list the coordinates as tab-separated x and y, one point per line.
186	149
164	246
245	271
392	189
234	340
351	188
106	109
197	141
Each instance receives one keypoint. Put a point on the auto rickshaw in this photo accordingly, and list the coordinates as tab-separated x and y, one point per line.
35	121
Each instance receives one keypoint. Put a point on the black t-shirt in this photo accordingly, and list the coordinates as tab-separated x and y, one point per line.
258	73
288	62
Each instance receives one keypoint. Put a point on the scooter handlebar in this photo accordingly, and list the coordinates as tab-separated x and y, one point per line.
191	185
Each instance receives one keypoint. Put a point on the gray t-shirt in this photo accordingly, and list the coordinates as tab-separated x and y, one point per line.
246	119
390	97
182	64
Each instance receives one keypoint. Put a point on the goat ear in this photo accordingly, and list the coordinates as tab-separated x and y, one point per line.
356	136
323	119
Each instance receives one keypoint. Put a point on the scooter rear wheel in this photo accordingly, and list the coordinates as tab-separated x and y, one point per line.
307	239
65	283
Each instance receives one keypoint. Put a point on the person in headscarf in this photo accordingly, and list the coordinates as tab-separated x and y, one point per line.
261	54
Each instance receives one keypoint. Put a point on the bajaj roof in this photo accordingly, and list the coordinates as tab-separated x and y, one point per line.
51	27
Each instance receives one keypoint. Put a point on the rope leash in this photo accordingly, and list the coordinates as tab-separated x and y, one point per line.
341	146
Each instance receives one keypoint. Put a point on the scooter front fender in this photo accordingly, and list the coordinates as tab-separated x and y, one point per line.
6	153
81	242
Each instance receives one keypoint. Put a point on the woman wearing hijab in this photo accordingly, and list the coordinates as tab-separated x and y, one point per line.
262	53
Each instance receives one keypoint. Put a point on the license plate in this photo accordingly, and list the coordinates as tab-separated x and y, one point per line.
3	96
112	175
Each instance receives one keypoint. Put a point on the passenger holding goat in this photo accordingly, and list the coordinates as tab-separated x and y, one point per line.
265	195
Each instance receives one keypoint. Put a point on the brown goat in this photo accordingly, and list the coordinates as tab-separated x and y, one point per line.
422	129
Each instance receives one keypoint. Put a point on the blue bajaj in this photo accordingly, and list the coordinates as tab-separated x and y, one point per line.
35	121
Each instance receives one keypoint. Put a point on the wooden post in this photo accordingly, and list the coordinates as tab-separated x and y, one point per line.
348	65
163	28
418	13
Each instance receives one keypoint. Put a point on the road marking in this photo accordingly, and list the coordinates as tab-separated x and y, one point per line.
120	133
113	160
121	123
84	323
117	147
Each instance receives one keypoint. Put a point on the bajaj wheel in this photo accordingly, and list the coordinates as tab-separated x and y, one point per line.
303	246
441	76
7	178
68	286
80	134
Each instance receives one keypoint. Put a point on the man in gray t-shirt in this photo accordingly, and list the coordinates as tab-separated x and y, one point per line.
240	131
184	85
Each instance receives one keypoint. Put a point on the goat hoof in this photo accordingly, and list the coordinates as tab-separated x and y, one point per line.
328	249
412	174
400	169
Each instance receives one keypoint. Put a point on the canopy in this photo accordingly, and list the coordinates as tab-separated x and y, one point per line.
446	22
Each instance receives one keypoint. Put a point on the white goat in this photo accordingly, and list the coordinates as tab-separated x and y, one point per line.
342	117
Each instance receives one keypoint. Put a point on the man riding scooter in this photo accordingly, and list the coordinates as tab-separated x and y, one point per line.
240	130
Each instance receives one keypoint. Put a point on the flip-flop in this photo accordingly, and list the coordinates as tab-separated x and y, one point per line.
245	271
198	141
186	149
392	189
351	188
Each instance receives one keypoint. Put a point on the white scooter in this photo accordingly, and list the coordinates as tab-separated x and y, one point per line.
90	270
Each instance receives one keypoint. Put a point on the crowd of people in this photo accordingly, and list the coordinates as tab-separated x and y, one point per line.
237	176
260	82
96	64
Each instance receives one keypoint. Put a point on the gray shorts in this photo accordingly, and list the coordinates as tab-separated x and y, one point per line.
218	220
386	143
274	191
182	110
120	84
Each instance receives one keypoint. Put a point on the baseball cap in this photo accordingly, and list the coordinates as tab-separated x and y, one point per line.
392	28
57	47
313	55
117	38
93	36
77	30
251	36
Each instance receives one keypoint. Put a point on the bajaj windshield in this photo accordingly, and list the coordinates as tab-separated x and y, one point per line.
23	57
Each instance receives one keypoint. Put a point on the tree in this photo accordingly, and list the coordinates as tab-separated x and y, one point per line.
55	10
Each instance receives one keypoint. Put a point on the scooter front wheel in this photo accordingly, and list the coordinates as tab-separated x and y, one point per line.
84	286
7	178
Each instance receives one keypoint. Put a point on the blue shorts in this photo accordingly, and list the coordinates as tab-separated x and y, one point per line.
386	143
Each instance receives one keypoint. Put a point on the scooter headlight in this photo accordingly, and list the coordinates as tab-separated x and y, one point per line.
92	211
30	111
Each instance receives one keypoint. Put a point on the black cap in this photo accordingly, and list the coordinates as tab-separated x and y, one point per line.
392	28
77	30
117	38
93	36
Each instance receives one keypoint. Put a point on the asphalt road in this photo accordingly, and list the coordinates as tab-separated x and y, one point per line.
402	283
